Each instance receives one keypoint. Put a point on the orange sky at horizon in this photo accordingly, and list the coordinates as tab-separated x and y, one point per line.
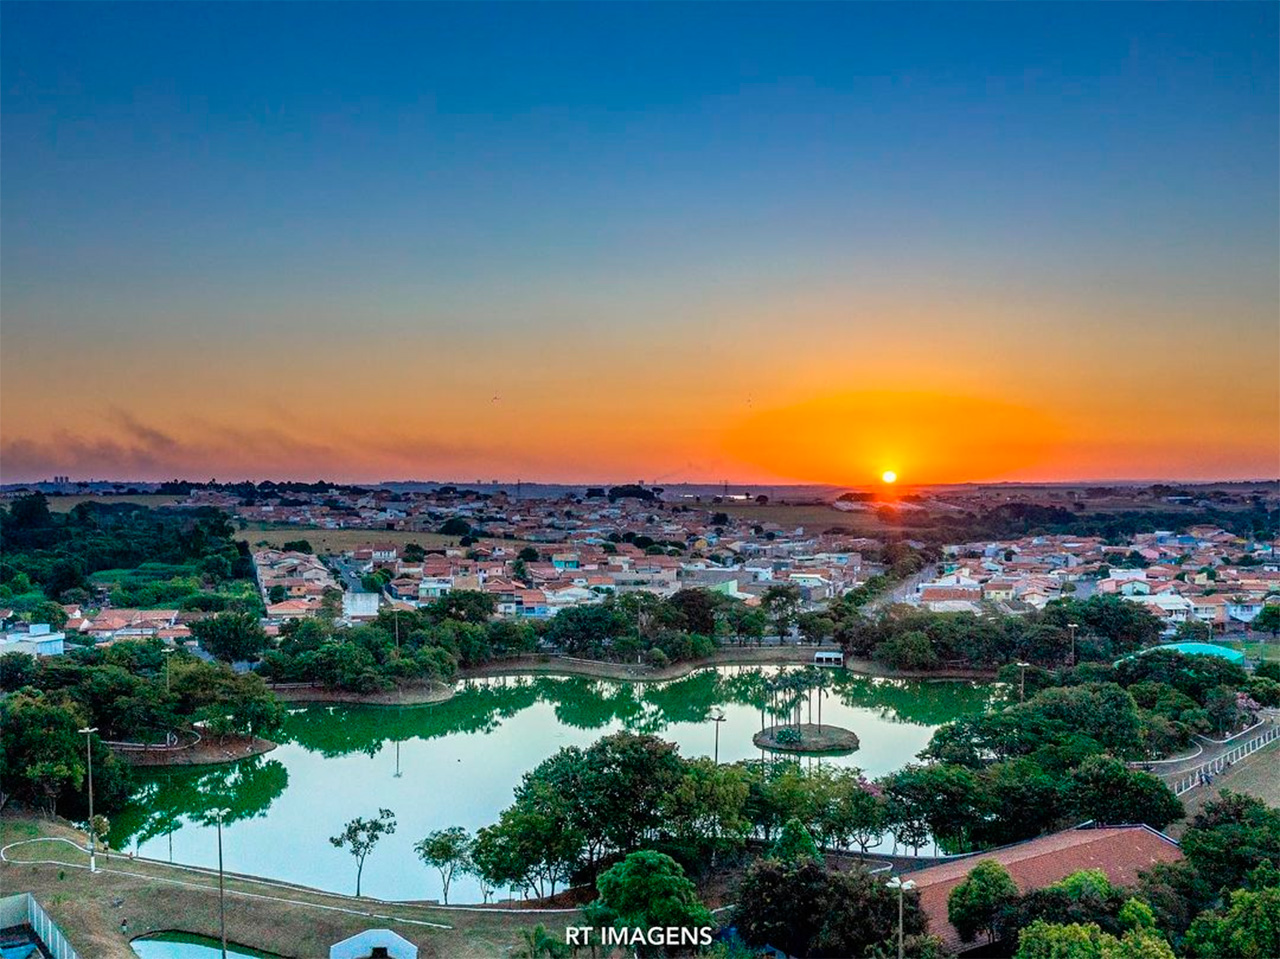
830	386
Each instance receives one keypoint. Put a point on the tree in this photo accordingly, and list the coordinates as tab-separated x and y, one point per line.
782	603
455	526
1105	790
529	554
1248	929
1045	940
697	608
975	903
448	851
297	546
806	911
1268	619
231	637
782	906
648	890
795	844
277	594
17	670
1230	837
536	943
816	628
360	835
911	650
465	606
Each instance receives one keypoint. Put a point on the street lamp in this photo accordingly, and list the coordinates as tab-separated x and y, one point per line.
220	814
88	763
167	651
1022	681
902	887
718	717
1073	627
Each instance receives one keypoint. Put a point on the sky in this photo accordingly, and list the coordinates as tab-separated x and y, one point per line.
616	242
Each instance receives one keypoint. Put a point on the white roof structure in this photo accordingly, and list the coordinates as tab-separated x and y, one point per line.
371	942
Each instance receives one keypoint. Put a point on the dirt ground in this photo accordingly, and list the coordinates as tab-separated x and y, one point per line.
157	897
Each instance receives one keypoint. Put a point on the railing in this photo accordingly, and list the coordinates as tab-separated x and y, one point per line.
172	743
22	909
1203	774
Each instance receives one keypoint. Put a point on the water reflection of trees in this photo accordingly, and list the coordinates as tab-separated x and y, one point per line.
588	703
166	798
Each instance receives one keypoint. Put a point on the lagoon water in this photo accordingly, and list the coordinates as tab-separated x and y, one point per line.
457	763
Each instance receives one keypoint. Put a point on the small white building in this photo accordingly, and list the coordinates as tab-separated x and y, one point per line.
833	656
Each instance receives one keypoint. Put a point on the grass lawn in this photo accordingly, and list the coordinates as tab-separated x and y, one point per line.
158	897
1253	649
328	541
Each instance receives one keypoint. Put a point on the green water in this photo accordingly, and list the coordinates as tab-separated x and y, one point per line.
185	945
457	763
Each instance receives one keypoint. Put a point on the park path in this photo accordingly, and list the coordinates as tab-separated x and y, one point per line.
1184	773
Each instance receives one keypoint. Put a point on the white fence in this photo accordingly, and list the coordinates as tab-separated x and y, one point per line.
23	909
1201	775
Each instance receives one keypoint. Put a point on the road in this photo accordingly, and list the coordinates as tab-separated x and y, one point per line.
348	573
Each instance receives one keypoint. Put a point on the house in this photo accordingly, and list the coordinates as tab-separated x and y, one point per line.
1122	852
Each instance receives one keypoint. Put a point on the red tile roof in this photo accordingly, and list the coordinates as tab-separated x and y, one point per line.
1119	851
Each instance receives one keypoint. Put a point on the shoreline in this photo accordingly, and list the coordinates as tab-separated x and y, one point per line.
727	656
204	753
417	695
534	665
815	740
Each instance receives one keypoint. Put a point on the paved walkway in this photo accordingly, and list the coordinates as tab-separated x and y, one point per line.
1212	756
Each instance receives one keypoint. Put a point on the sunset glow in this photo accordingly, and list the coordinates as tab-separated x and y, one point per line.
889	476
484	252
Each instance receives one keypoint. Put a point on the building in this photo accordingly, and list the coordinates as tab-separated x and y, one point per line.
38	640
1122	852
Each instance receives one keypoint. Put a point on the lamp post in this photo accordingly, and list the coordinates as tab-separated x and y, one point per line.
88	765
396	774
1022	681
902	887
1073	627
718	717
220	814
167	651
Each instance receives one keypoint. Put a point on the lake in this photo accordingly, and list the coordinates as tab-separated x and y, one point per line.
457	763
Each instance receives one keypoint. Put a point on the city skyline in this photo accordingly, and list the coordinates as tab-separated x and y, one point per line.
775	243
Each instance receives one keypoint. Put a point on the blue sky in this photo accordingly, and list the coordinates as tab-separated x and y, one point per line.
562	186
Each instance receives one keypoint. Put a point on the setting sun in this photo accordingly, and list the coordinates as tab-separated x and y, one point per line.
889	476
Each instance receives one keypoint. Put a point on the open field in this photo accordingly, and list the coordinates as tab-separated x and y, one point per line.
287	920
326	541
65	504
815	518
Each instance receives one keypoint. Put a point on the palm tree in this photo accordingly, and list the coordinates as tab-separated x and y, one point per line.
537	942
